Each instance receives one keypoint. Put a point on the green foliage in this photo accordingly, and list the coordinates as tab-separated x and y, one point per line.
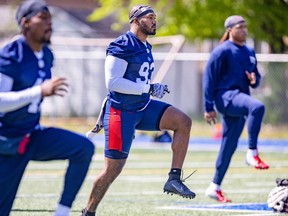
268	21
277	102
203	19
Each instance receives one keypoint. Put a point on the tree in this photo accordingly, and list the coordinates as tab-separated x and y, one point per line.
203	19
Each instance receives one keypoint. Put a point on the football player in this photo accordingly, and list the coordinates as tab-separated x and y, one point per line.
229	74
128	70
25	80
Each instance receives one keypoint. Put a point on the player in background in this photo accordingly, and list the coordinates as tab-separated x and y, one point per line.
230	72
25	79
128	69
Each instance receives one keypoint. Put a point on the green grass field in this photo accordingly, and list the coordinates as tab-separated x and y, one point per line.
199	128
139	189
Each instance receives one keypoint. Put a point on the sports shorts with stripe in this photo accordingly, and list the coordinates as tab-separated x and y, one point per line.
120	126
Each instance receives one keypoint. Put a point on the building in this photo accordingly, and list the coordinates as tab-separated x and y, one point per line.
79	48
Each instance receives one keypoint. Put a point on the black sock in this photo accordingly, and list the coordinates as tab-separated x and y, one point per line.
87	213
90	213
174	174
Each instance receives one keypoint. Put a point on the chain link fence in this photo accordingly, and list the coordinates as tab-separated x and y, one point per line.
273	91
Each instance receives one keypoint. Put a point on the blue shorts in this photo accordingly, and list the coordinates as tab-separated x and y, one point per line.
120	126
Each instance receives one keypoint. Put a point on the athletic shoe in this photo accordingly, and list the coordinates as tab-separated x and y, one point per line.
177	187
217	195
256	162
86	213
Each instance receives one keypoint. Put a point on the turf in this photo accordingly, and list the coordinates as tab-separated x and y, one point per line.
199	128
139	189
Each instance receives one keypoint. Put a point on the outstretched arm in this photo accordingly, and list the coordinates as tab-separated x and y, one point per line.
13	100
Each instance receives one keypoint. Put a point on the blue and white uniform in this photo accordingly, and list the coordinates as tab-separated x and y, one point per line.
21	137
226	86
128	69
20	70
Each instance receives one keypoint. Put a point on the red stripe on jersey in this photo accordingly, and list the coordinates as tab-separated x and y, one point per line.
115	130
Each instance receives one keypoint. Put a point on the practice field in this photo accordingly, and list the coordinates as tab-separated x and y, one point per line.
139	189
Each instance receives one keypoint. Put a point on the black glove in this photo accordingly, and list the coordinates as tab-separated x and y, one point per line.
282	182
158	90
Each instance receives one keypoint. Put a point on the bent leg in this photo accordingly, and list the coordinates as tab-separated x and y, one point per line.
245	105
113	167
254	121
177	121
59	144
11	172
232	128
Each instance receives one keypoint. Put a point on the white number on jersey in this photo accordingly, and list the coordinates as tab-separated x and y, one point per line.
34	105
144	71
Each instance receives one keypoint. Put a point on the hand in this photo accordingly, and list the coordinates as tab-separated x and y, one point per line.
158	90
251	77
210	117
55	86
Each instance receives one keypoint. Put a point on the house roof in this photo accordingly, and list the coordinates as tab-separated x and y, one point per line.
79	11
68	4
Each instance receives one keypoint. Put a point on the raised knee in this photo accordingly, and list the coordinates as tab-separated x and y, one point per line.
88	149
183	124
186	121
260	109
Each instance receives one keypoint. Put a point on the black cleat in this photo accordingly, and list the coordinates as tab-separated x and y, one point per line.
177	187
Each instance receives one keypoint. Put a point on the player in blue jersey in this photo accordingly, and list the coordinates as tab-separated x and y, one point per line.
230	72
25	79
128	69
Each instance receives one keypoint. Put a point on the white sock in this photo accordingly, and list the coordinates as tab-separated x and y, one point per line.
214	186
62	210
252	152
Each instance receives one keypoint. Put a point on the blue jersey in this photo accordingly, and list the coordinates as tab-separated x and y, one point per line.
139	69
18	61
225	71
